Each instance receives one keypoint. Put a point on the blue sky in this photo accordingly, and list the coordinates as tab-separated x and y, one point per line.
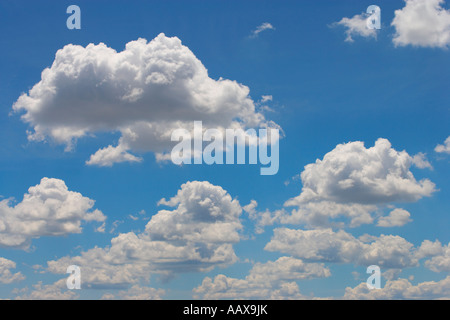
326	91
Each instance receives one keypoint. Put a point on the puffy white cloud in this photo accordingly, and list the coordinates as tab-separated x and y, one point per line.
422	23
429	249
352	173
136	292
439	254
401	289
270	280
443	148
6	276
325	245
421	162
350	186
397	218
197	235
356	26
110	155
144	92
48	209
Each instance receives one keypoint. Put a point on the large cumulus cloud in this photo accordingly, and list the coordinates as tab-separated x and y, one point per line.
144	92
354	185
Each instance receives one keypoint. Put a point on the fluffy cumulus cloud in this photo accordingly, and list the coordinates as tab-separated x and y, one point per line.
438	254
352	185
6	276
443	148
356	26
48	209
352	173
270	280
397	218
325	245
401	289
197	235
144	92
422	23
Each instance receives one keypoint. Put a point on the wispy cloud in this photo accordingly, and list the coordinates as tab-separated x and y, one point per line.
261	28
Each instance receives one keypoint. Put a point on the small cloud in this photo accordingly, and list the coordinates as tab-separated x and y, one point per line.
421	162
266	98
297	177
261	28
397	218
443	148
356	26
133	217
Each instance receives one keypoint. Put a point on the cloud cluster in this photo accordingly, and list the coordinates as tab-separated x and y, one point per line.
325	245
136	292
272	280
422	23
197	235
54	291
401	289
6	276
439	255
144	92
48	209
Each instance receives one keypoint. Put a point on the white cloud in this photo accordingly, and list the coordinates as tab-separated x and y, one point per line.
353	174
48	209
421	162
443	148
110	155
422	23
397	218
55	291
401	289
270	280
350	185
135	293
261	28
356	26
144	92
6	276
197	235
429	249
266	98
325	245
440	256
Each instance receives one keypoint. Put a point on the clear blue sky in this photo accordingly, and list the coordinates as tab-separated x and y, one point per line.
325	91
